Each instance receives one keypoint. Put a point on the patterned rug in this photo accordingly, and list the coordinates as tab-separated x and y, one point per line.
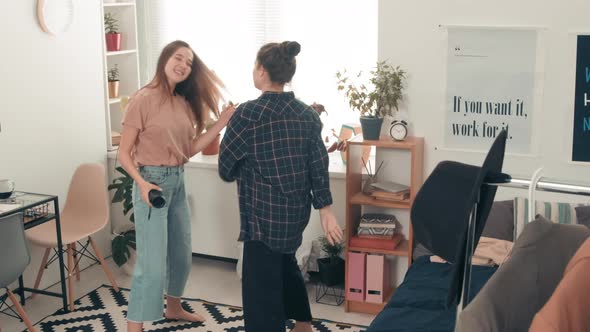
105	310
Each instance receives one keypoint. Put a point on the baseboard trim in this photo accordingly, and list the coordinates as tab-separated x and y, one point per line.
216	258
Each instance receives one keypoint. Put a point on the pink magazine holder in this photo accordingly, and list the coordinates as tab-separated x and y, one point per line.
356	276
377	279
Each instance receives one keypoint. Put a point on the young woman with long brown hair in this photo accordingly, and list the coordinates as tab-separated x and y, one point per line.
161	130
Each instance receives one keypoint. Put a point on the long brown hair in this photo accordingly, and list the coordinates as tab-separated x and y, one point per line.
201	88
279	60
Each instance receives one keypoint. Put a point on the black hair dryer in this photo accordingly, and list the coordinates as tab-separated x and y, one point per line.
156	198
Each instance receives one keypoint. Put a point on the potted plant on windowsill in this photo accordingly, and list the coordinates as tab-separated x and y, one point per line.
123	244
113	78
112	35
377	100
331	268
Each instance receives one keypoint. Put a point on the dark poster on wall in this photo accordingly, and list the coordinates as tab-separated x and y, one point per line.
581	146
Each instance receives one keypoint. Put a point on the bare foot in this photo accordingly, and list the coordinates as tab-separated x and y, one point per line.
302	327
184	315
134	326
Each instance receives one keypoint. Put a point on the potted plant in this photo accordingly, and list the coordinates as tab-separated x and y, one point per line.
213	147
377	100
112	35
123	244
331	268
113	78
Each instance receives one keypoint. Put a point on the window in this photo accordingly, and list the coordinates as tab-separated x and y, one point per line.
226	34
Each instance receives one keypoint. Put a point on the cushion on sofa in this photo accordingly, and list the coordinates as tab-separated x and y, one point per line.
524	283
558	212
567	309
500	223
583	215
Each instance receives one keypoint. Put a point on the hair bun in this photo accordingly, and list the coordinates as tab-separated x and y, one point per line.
290	48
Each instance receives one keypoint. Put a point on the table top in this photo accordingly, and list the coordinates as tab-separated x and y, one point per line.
24	201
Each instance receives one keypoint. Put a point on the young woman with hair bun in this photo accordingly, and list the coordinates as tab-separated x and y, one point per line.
273	149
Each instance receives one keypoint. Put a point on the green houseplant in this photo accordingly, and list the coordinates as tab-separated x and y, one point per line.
123	242
112	35
377	99
331	268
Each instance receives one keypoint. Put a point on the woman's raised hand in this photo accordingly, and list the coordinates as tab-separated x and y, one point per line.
226	113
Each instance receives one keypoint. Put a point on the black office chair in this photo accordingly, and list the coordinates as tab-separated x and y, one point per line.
450	210
14	258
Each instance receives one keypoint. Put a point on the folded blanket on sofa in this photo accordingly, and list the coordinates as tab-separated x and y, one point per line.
489	252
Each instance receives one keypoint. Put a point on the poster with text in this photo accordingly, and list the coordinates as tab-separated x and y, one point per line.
581	146
490	86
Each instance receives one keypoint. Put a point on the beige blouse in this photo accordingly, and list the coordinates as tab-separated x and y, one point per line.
166	127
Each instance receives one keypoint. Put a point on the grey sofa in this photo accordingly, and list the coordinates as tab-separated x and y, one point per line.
521	286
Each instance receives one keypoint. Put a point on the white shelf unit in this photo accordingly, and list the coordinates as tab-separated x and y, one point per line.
114	100
121	52
118	4
127	60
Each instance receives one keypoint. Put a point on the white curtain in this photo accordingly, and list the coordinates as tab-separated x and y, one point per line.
226	34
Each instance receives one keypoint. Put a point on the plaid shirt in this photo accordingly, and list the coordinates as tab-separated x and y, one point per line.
273	148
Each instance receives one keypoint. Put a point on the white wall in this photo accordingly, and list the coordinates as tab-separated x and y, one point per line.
51	103
409	35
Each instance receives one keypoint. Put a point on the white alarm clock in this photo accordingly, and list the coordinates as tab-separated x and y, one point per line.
398	130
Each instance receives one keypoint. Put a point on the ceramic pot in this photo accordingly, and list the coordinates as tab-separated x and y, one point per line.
113	42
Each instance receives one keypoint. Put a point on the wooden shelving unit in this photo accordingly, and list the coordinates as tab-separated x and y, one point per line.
364	199
367	307
402	249
356	199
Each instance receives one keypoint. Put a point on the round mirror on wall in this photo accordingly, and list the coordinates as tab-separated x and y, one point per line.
55	16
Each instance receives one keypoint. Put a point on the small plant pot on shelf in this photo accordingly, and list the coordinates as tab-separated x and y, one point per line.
113	41
371	127
213	147
331	270
113	89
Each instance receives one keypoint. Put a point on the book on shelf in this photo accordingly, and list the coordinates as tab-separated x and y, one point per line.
388	196
378	218
375	231
390	186
378	237
377	225
372	243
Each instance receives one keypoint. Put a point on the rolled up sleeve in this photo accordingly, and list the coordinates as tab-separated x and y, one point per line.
318	169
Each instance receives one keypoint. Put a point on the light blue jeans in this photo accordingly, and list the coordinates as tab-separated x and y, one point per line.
164	254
